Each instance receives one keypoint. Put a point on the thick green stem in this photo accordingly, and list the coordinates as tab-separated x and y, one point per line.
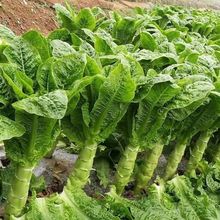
125	167
146	169
174	159
198	151
18	193
83	165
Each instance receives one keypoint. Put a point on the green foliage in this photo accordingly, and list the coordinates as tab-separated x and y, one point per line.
68	205
133	84
178	199
24	55
10	128
52	105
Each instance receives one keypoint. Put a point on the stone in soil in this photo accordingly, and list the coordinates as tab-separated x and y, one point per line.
57	169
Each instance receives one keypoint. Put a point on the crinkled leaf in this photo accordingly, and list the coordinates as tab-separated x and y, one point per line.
85	19
20	83
60	34
192	93
114	96
190	204
51	105
61	48
24	55
157	205
146	83
151	113
60	73
35	143
6	33
147	41
102	167
39	42
6	94
10	129
65	18
74	205
124	30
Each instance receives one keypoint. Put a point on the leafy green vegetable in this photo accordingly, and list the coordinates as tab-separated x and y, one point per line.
24	55
142	85
114	96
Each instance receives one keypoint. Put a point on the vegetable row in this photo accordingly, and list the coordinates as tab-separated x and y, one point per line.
149	80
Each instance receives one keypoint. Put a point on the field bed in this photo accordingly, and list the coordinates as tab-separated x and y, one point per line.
17	15
111	116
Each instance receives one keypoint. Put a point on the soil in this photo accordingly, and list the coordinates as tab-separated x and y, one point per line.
23	15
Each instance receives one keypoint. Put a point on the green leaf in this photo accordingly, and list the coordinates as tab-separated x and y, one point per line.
158	205
35	143
51	105
151	113
157	59
6	37
115	94
190	204
10	129
102	47
145	84
65	18
74	205
147	41
60	34
60	48
124	30
80	84
6	176
68	69
72	125
189	99
60	73
104	42
39	42
45	77
88	49
18	81
85	19
102	167
6	94
76	40
93	68
172	34
6	33
37	184
206	117
24	55
77	89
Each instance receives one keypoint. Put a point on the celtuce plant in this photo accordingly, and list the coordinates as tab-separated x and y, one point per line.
114	96
203	118
143	85
38	114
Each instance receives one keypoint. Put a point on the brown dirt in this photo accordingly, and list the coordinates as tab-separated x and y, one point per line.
22	15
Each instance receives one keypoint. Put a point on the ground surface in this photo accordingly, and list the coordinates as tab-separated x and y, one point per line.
22	15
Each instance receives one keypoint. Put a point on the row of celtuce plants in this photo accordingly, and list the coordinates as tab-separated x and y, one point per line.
126	90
